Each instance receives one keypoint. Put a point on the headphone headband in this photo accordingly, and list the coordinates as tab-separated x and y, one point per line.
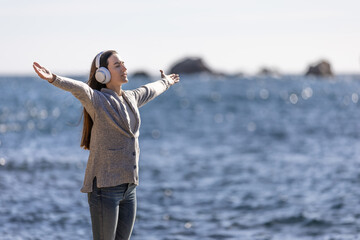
97	60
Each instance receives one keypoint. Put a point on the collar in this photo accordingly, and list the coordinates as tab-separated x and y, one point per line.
111	92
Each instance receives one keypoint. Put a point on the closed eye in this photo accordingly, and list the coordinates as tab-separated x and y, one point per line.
118	63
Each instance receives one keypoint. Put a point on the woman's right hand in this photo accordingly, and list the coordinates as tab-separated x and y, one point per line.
43	72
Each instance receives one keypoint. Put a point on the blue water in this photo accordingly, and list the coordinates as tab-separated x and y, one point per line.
238	158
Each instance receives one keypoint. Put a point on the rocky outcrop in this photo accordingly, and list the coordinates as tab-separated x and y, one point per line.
191	65
321	69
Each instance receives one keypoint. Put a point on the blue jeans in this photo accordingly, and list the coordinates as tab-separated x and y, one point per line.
113	211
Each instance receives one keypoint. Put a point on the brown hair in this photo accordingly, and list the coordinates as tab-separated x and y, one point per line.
94	84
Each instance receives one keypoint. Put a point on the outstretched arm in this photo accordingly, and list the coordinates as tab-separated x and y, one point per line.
79	89
149	91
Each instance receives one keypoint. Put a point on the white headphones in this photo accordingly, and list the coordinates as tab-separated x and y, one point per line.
102	74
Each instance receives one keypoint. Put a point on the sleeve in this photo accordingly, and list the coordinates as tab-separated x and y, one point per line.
80	90
148	92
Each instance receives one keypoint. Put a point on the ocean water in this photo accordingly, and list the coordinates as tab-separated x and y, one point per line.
255	158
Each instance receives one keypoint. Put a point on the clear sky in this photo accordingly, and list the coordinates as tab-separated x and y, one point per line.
231	35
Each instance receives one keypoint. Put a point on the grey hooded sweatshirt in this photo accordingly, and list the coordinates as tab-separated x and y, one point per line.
114	146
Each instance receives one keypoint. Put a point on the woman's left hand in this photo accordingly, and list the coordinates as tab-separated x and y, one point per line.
172	78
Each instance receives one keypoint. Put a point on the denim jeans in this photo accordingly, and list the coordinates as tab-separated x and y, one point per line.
113	211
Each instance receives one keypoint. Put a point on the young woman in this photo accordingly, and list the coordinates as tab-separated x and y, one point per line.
110	132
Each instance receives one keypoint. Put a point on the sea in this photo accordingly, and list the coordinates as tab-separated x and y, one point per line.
240	158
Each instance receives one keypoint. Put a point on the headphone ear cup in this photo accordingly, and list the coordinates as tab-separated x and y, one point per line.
102	75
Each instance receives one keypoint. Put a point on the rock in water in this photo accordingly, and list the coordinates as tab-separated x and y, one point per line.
265	71
322	69
190	65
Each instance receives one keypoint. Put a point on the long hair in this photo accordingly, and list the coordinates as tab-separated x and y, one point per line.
94	84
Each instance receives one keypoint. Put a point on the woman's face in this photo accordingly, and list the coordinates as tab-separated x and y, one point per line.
117	70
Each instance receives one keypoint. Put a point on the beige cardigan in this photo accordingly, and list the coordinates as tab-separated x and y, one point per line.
114	148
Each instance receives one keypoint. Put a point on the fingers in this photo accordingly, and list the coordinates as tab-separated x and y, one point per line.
36	68
175	78
36	64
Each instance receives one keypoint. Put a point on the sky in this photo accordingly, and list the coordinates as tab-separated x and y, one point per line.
231	36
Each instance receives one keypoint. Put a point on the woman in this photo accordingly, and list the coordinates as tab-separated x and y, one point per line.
110	132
